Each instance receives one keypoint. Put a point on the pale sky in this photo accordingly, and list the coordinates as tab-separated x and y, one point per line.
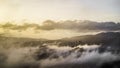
40	10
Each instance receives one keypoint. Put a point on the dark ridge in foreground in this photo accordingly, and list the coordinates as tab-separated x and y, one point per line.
114	64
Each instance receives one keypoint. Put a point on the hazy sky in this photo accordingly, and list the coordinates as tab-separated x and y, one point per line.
40	10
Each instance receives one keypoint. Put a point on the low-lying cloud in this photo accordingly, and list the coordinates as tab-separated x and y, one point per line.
53	56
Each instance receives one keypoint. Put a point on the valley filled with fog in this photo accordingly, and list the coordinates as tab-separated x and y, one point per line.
27	45
53	56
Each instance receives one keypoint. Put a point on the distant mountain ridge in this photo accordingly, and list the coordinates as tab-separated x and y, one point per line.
105	38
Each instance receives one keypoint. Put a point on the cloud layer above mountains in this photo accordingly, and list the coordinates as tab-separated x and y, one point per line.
81	25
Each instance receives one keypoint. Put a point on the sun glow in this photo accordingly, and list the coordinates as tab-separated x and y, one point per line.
40	10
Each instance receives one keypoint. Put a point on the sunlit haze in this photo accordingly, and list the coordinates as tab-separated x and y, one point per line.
40	10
